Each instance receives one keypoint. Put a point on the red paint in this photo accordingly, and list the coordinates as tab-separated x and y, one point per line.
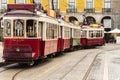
66	43
21	7
83	42
26	46
60	45
95	41
49	47
91	41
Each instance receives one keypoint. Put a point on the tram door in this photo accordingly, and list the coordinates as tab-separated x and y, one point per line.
71	38
31	28
61	37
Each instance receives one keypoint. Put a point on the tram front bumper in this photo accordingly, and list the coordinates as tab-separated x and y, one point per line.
17	55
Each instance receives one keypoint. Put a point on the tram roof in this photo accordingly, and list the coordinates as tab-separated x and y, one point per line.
44	18
68	24
92	28
20	13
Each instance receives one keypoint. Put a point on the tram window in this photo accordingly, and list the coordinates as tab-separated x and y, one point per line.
59	32
18	28
31	28
51	31
94	33
7	28
83	33
100	33
39	29
97	33
67	32
76	33
91	34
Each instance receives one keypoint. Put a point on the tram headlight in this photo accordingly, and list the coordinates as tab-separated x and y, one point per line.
17	49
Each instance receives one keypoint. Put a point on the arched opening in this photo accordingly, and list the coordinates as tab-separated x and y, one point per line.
90	20
107	22
72	19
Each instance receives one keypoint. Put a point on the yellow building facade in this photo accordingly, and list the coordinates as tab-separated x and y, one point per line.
63	5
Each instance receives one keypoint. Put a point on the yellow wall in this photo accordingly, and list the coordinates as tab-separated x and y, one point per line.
45	4
80	5
10	1
98	5
63	5
29	1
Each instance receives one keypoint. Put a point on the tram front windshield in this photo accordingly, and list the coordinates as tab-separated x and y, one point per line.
20	28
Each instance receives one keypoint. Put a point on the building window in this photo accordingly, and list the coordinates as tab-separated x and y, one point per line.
71	4
55	4
37	1
3	5
89	4
107	4
20	1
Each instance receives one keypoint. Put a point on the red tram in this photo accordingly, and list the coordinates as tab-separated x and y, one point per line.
30	35
92	35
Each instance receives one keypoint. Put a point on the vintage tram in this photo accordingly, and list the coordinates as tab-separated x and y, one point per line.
92	35
30	35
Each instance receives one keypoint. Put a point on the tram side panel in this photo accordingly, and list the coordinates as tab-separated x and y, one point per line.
76	38
60	39
66	38
50	39
95	41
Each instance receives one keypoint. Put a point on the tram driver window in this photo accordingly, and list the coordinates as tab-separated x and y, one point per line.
31	28
7	28
18	28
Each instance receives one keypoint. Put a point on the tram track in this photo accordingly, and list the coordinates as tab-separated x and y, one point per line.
90	67
6	67
76	65
93	63
73	67
14	76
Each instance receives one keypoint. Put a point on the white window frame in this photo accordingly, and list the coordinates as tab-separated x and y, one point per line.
107	3
87	5
72	2
4	2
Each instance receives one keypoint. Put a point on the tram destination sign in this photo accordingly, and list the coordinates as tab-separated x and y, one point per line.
30	7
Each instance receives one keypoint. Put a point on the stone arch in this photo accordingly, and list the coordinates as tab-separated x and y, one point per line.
72	19
107	22
90	20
